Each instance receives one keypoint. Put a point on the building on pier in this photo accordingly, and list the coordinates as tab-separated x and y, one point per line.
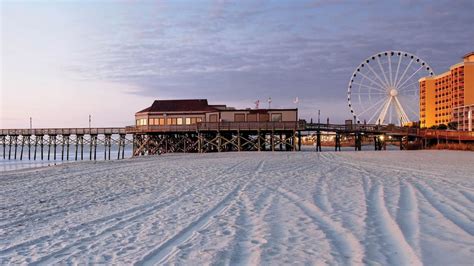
164	113
177	113
193	125
442	96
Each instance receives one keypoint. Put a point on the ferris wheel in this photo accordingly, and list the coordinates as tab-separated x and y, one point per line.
384	88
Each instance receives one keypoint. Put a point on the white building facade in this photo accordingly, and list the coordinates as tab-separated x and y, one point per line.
464	116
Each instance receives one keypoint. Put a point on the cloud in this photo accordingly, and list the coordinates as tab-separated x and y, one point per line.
255	50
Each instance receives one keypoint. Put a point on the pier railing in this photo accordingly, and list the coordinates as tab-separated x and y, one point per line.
246	126
268	126
447	134
218	126
64	131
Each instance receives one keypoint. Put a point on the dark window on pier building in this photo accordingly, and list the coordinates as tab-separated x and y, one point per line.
277	117
239	117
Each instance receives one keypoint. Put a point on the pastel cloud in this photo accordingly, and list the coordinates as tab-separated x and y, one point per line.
238	51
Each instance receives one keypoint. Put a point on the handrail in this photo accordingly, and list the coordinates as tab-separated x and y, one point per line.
64	131
219	126
248	126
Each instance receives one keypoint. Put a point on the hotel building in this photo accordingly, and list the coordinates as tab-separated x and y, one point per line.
446	97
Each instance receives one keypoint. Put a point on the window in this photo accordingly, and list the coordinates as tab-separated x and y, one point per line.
213	118
188	121
169	121
142	122
276	117
252	117
199	120
179	121
162	121
193	120
239	117
264	117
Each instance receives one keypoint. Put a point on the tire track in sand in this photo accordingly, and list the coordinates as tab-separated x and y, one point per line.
447	211
458	206
321	194
342	240
467	195
112	223
248	225
408	216
249	237
118	222
209	183
388	230
380	223
169	248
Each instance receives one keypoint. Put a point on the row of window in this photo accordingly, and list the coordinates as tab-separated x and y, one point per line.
443	93
168	121
442	81
441	108
276	117
174	121
443	101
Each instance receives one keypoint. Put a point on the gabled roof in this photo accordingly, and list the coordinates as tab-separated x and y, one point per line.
188	105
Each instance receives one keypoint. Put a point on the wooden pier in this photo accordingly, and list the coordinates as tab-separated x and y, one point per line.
217	137
31	143
380	134
83	143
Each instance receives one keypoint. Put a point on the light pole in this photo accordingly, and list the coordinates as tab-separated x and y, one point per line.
90	120
319	116
31	122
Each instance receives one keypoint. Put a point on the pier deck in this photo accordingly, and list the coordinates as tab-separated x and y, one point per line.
208	137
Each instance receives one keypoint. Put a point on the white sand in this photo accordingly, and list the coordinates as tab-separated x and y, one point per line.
244	208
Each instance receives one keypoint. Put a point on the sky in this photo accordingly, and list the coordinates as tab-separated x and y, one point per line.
64	60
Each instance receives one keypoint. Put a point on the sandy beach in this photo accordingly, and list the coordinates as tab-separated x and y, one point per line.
401	208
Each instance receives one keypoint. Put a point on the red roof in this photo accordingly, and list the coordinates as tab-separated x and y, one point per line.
468	54
191	105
